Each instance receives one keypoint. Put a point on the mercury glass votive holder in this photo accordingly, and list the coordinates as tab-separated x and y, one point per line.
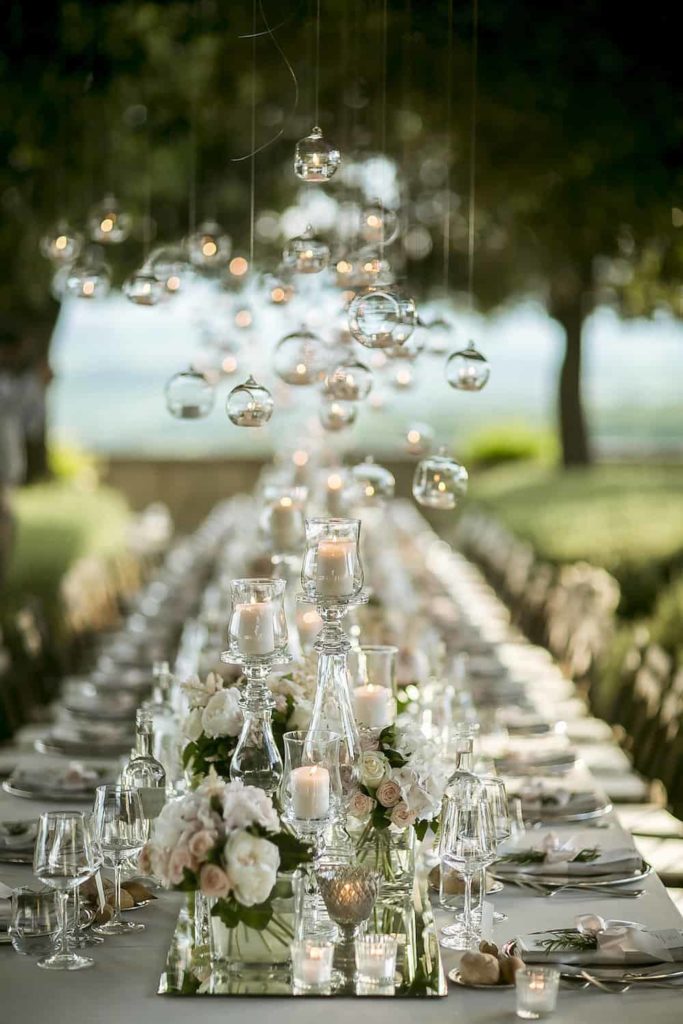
376	959
536	991
312	965
349	893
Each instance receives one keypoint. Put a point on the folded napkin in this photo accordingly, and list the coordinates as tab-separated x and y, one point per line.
558	858
595	940
17	835
537	795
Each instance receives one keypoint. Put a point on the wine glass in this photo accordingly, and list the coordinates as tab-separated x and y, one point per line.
496	795
121	829
63	859
468	844
82	934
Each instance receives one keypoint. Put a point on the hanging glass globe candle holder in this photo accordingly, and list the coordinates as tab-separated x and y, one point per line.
209	247
189	395
439	482
88	278
171	266
374	316
408	320
337	415
143	288
301	358
306	254
350	382
419	439
249	404
440	334
372	483
61	244
379	225
108	223
315	159
467	370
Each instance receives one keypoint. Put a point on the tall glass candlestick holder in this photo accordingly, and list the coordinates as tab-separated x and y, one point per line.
257	638
332	580
282	525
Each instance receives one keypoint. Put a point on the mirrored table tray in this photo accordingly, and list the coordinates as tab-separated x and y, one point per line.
419	971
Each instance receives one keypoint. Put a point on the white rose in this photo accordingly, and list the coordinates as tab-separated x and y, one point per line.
192	727
246	805
373	768
251	864
222	716
300	717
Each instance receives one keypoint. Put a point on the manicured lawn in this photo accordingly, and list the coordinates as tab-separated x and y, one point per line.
58	523
628	519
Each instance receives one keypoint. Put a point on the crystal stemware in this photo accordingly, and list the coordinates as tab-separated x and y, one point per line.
121	830
63	859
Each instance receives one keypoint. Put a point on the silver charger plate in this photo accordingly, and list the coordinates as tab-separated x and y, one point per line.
559	764
30	791
72	747
547	816
590	881
455	976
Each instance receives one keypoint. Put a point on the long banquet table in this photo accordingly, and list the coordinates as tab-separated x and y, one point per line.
122	986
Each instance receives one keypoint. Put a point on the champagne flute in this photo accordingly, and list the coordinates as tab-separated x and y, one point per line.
120	832
468	843
63	859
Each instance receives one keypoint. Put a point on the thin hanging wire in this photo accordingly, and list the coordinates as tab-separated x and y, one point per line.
252	187
383	121
147	217
473	154
316	100
449	152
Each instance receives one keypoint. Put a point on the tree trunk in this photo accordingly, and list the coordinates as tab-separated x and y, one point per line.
571	417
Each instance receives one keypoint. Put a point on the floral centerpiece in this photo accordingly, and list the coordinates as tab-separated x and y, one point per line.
214	722
399	796
225	840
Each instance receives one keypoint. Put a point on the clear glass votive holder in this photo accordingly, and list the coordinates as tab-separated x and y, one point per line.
312	965
376	959
34	922
536	991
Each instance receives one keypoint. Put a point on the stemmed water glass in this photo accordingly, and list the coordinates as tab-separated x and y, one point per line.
63	859
468	843
496	795
121	829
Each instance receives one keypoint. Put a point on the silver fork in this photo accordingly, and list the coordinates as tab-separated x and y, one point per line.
618	893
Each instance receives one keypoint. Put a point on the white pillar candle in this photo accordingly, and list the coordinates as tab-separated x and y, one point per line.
334	574
374	706
309	624
310	791
285	524
335	494
254	628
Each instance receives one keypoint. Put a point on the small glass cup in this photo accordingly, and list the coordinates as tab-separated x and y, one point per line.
376	959
311	791
258	626
34	924
331	572
312	965
536	991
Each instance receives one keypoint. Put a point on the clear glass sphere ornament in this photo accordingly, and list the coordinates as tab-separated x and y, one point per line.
408	320
315	159
249	404
143	288
374	316
88	279
209	247
171	266
61	244
189	395
306	254
350	381
108	223
373	484
419	439
439	482
379	224
337	415
467	370
301	358
440	334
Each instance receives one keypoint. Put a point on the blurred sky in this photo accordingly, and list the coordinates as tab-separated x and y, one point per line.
112	360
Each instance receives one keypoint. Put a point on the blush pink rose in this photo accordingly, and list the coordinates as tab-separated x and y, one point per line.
200	844
401	816
360	804
213	881
145	860
180	859
388	793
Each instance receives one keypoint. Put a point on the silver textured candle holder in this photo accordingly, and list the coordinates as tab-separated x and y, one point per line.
349	893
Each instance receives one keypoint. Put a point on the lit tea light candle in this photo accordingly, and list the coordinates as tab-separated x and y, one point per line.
376	959
311	964
310	792
374	706
335	565
536	991
253	628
